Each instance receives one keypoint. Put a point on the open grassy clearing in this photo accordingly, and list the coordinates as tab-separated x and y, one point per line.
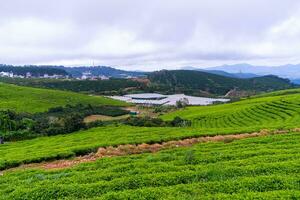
26	99
262	168
277	109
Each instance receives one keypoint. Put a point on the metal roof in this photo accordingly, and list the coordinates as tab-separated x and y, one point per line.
146	96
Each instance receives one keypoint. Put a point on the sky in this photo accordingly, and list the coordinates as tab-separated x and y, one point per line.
149	35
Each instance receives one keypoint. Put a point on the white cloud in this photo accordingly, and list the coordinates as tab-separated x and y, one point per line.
152	34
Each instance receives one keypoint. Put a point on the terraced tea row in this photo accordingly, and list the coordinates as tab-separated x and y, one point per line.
265	167
83	142
259	112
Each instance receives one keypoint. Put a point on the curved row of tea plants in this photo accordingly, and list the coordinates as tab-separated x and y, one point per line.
278	110
261	168
83	142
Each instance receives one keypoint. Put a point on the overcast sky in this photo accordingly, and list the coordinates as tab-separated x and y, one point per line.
149	34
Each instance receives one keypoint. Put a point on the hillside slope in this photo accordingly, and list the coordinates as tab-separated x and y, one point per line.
280	108
192	81
251	115
26	99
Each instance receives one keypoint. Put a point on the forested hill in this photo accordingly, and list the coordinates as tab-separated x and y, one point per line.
192	81
34	70
75	72
100	70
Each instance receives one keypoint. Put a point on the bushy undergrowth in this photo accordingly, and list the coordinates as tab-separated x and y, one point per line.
58	120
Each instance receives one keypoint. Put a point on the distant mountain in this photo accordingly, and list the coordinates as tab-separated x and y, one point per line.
191	82
224	73
101	70
286	71
296	81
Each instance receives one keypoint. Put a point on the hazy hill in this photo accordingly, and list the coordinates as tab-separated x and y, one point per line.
223	73
188	81
286	71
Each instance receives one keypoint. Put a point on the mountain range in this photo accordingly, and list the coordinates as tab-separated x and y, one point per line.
289	71
101	71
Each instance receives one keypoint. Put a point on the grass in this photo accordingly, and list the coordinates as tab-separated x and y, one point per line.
255	168
275	109
26	99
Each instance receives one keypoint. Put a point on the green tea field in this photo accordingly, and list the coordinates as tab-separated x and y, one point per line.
26	99
255	168
264	167
83	142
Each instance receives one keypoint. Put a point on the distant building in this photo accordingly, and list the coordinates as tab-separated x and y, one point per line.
29	75
6	74
102	77
86	75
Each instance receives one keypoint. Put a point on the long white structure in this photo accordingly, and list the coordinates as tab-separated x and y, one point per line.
158	99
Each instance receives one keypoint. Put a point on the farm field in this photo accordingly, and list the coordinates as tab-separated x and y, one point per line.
26	99
281	109
254	168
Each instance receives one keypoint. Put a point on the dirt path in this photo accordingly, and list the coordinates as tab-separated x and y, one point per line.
129	149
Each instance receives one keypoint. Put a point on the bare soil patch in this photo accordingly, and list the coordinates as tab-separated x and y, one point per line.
93	118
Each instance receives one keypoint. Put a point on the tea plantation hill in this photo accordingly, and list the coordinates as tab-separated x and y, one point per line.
273	111
281	108
27	99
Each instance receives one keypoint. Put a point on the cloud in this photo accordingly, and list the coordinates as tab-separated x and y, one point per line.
155	34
